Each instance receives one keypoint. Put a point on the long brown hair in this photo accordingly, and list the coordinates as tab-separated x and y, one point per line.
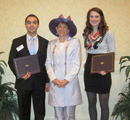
102	26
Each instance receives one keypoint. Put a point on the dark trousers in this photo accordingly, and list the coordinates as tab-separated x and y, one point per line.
24	100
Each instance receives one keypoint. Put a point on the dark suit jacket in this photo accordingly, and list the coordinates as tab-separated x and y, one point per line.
36	81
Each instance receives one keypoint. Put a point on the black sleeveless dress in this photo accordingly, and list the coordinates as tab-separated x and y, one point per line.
96	83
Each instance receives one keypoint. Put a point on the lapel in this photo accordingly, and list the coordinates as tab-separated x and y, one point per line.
39	45
25	45
65	43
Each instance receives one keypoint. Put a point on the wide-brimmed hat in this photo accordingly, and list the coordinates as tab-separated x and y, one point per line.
53	23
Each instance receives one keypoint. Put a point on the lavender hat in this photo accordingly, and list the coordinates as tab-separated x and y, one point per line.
53	23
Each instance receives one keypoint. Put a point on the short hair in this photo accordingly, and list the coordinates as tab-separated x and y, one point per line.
31	15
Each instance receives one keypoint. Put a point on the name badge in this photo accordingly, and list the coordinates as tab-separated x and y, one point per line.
19	48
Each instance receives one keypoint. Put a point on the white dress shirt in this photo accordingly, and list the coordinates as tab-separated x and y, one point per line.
36	43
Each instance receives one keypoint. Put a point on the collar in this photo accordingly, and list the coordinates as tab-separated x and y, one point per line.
68	39
29	37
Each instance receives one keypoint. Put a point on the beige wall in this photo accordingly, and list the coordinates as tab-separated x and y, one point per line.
13	13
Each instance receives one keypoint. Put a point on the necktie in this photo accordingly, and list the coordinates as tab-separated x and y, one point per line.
32	47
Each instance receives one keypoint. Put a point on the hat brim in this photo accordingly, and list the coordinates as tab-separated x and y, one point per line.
53	23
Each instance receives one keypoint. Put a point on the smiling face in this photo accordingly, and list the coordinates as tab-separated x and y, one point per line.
32	25
62	29
94	19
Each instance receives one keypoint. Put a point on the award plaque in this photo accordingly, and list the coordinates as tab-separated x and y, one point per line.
103	62
26	64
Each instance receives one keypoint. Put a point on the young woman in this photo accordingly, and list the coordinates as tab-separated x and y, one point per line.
98	40
63	64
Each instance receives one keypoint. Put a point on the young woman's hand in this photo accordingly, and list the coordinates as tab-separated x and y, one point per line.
102	72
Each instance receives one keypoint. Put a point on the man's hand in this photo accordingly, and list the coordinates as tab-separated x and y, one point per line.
26	76
47	87
84	65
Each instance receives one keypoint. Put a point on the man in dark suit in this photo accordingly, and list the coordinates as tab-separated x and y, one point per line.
29	85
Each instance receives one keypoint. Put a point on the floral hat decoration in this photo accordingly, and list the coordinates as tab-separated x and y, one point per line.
53	24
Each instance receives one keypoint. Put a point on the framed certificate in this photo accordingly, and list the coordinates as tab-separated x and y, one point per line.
26	64
102	62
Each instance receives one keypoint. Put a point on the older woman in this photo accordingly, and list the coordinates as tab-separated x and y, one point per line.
63	64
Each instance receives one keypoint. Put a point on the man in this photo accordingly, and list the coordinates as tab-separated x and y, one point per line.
30	85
